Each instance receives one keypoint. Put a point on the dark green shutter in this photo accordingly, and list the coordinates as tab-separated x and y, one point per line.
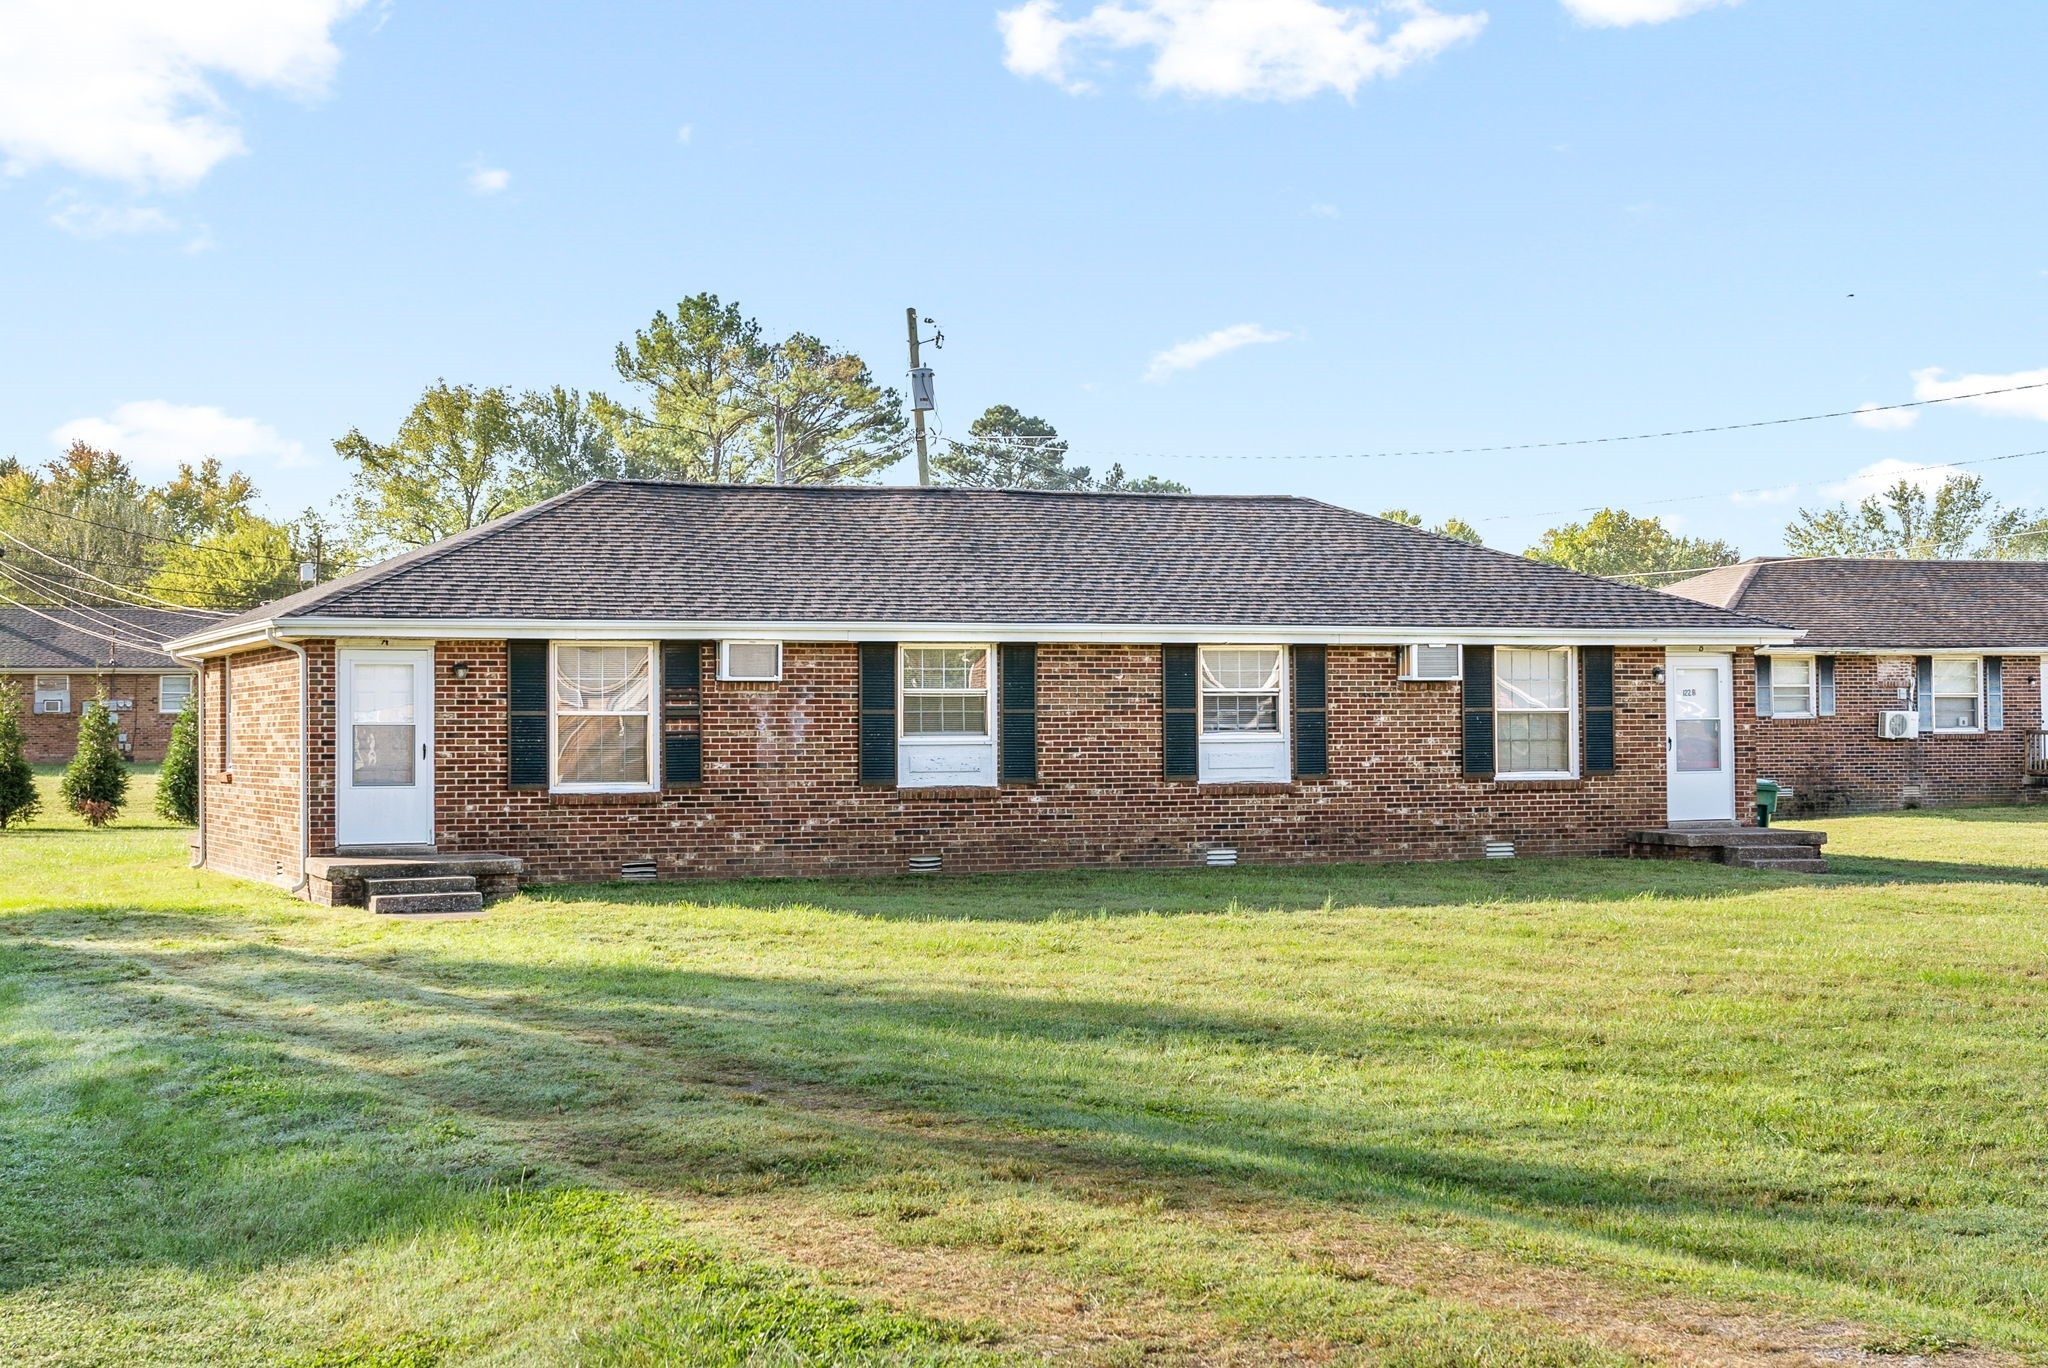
526	714
878	712
1479	712
1181	734
1019	740
1311	712
1923	681
1596	681
1763	686
1994	693
1824	685
682	714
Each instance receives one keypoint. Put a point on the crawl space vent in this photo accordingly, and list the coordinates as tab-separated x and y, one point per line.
1220	857
637	871
926	864
1500	850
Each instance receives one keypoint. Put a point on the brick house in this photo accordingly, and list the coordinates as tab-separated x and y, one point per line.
63	658
728	680
1916	683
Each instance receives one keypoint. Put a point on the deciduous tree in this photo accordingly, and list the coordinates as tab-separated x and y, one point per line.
1905	522
1613	542
1456	528
454	464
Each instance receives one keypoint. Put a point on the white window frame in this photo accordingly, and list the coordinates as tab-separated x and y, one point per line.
43	695
556	784
1934	696
1571	714
1411	652
1812	708
191	687
725	661
956	748
1211	744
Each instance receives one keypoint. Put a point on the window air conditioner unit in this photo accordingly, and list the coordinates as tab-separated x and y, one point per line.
1432	662
53	705
757	662
1898	726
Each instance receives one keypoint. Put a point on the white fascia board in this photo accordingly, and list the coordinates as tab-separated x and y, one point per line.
1904	650
494	629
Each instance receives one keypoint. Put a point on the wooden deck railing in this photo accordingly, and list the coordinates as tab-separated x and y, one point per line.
2037	752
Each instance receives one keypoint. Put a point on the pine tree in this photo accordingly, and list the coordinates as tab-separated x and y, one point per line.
19	801
96	781
177	786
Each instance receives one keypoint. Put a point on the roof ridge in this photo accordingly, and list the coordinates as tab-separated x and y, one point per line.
955	490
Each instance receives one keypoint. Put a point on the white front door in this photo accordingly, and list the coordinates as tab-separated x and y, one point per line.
1699	739
384	743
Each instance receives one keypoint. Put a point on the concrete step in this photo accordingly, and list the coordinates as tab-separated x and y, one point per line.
1777	859
443	883
413	904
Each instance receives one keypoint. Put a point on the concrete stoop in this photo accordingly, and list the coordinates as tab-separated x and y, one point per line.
412	885
1771	848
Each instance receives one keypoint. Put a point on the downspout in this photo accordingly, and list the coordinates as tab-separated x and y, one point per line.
199	746
305	757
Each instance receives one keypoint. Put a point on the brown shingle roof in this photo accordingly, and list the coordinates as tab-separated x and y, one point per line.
665	551
1896	605
80	641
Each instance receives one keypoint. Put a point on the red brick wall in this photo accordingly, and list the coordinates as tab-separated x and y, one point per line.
52	738
251	809
1841	764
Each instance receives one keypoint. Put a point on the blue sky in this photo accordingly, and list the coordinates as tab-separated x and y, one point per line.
247	226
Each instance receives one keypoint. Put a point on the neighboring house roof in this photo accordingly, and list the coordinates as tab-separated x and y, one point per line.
675	553
79	640
1888	605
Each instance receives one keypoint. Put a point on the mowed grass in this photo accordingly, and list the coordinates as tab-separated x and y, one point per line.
1530	1113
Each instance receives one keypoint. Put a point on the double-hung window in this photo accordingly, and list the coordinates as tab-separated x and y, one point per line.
603	717
173	692
1533	714
947	736
1792	685
1958	694
1243	714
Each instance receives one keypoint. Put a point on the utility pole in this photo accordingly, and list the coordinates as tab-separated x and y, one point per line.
924	466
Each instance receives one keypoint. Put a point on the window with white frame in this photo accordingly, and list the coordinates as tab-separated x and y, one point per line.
1534	734
1243	715
603	717
1792	686
53	693
758	662
945	691
1958	694
173	692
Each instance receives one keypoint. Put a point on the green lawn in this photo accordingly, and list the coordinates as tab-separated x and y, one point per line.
1529	1113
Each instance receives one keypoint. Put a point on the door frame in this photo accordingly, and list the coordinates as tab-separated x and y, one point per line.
422	655
1726	662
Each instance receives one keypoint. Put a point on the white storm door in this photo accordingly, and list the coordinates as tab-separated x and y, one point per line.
1699	740
384	788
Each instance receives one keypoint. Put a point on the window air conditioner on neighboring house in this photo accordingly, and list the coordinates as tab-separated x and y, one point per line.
53	705
1898	726
1432	662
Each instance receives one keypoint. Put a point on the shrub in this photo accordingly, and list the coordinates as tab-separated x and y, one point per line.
18	798
177	786
96	781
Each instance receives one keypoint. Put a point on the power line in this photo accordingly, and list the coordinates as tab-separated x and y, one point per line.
122	588
74	597
153	648
138	533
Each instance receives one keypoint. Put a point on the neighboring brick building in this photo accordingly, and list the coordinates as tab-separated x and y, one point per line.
721	680
63	658
1955	646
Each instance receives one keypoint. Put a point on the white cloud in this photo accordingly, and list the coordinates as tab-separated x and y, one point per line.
1782	494
156	436
84	219
125	89
488	180
1875	479
1199	350
684	133
1623	13
1936	383
1325	211
1884	419
1248	49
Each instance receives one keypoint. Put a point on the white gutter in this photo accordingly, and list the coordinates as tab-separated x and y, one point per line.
642	629
305	756
1910	650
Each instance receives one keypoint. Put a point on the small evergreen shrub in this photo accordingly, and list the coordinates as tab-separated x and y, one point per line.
177	786
96	781
19	801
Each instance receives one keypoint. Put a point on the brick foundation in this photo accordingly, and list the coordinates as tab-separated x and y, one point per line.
52	738
1841	764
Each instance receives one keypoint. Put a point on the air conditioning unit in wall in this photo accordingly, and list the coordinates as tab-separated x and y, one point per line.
1898	726
53	705
1438	662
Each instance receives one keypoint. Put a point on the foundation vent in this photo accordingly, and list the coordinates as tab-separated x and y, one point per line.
1220	857
1500	850
926	864
637	871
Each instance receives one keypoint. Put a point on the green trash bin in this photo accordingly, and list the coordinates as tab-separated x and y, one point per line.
1766	801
